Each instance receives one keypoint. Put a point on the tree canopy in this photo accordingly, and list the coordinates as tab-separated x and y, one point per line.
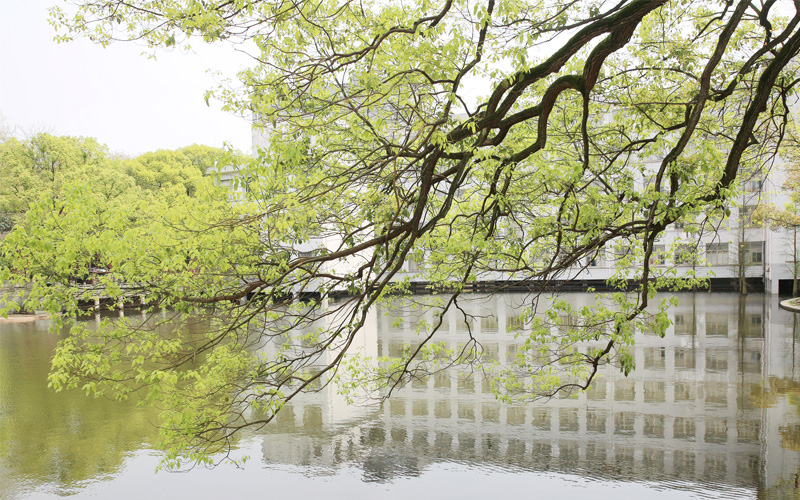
482	140
69	198
42	165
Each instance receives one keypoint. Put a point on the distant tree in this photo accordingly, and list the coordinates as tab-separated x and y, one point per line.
183	167
66	195
6	130
162	169
205	157
41	165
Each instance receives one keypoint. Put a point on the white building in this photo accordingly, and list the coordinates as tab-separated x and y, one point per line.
724	250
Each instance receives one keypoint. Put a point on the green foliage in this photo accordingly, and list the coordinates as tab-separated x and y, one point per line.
44	165
181	169
6	222
600	125
40	167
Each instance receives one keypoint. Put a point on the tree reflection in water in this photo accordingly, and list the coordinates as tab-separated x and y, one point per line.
688	412
715	402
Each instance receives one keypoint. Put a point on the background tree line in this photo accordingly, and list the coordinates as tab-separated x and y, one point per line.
78	177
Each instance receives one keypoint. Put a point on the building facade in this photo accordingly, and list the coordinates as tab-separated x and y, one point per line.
727	250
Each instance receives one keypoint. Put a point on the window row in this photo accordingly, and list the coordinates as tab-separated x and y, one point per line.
716	254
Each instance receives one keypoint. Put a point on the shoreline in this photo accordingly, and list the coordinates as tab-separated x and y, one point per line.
23	318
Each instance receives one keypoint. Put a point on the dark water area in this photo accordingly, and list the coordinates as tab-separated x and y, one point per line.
711	411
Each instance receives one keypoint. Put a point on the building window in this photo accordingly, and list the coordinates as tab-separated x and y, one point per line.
717	324
684	358
717	254
752	326
752	252
598	259
685	254
415	264
620	251
746	214
659	255
717	220
753	186
684	324
655	358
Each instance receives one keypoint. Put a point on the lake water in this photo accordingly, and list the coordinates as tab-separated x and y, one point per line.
710	412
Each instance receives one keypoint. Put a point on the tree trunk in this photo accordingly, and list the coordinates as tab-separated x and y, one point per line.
742	265
794	263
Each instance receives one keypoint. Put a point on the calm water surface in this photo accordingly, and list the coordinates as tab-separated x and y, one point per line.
710	412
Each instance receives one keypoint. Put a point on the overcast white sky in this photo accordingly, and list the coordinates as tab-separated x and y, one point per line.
129	102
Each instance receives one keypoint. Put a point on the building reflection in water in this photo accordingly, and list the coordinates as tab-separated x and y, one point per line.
701	406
